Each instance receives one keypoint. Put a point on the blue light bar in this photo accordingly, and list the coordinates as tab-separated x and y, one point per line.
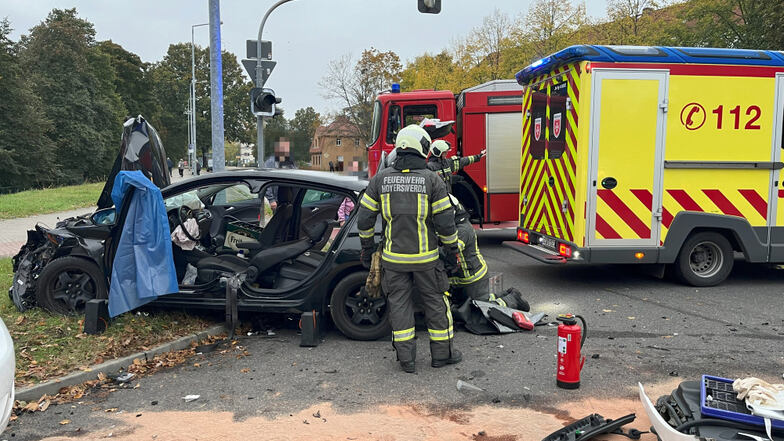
395	88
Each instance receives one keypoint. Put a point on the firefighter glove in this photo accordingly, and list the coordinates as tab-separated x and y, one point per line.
451	259
366	257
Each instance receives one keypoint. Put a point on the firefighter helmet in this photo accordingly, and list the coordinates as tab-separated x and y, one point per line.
439	147
415	138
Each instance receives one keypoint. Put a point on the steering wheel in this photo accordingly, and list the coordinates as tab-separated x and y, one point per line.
183	214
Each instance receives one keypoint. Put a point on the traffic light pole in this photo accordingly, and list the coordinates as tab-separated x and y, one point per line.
260	83
216	88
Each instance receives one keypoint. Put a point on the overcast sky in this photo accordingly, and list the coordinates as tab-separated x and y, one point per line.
306	34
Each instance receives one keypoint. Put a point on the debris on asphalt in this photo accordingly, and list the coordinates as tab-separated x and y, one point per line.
126	377
64	422
189	398
673	373
595	356
153	403
466	386
317	414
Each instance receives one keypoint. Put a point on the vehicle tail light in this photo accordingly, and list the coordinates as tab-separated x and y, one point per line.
565	250
522	236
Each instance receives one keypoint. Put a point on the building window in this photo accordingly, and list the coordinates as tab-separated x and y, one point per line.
356	142
337	142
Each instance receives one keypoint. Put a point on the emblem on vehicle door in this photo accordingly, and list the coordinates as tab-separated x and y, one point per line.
557	125
537	128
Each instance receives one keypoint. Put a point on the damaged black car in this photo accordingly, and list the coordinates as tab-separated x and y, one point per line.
295	258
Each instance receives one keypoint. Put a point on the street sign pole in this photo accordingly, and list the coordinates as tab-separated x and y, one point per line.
216	89
260	80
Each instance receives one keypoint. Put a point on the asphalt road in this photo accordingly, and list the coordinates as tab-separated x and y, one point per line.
640	329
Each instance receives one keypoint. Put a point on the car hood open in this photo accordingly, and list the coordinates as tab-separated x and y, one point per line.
140	149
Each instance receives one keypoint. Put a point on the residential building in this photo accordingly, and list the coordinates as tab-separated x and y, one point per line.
340	144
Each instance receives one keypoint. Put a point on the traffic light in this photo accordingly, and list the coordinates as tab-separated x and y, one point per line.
429	6
262	101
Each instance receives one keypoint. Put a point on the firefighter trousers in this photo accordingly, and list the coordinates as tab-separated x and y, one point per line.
432	286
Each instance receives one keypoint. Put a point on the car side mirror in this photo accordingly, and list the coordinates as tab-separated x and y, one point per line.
107	216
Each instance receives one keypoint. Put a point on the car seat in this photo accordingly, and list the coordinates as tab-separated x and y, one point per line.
210	268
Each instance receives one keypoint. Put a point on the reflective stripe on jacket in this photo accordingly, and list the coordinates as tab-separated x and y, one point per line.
416	213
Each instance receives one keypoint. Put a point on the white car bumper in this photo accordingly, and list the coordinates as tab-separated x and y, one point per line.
7	372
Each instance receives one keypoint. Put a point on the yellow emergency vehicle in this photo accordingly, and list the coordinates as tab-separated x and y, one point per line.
658	155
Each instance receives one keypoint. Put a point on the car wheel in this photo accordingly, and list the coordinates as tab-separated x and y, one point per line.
356	315
705	259
68	283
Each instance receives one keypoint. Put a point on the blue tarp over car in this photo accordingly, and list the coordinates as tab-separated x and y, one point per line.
143	267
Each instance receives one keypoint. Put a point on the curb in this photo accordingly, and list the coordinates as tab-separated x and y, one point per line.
52	387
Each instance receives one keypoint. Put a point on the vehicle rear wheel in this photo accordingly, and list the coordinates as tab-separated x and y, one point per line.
705	259
356	315
68	283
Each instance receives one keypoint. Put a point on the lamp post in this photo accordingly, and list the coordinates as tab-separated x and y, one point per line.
260	83
192	155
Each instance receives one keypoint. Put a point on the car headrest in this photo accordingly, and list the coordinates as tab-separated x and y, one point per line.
284	194
316	232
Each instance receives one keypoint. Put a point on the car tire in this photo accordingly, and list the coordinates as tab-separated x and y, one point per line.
705	259
357	316
68	283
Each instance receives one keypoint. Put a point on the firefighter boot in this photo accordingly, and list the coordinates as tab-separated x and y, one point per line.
409	367
455	356
514	299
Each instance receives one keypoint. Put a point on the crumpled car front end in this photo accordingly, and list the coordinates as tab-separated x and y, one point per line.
43	245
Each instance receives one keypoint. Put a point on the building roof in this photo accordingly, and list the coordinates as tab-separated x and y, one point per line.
337	128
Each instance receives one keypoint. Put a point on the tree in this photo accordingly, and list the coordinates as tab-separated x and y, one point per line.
25	150
274	128
172	77
551	23
132	81
429	72
74	81
301	130
355	86
749	24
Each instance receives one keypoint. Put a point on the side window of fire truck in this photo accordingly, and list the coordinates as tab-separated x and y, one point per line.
538	115
393	124
556	143
415	114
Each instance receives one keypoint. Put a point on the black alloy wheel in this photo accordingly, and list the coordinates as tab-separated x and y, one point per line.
356	315
68	283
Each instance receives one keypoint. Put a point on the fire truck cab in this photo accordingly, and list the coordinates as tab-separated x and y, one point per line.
487	117
661	155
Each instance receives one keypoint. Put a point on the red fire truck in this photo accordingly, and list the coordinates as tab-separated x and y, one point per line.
487	117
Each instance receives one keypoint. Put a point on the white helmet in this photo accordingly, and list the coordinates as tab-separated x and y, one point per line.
415	138
439	147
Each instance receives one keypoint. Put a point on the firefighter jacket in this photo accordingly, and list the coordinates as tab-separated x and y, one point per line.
472	266
446	167
416	213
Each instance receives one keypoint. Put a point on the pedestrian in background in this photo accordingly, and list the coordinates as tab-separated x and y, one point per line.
170	165
180	166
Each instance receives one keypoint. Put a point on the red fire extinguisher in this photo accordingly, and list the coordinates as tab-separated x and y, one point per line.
569	345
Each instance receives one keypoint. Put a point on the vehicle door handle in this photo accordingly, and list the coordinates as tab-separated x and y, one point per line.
314	209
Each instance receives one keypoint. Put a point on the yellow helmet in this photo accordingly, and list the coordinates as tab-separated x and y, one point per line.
415	138
439	147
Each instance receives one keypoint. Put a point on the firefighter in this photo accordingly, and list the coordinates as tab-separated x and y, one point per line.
469	279
416	213
445	168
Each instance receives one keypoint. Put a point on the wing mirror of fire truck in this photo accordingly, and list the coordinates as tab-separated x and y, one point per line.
429	6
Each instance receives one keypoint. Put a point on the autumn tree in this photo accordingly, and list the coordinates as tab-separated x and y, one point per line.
551	23
355	86
751	24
